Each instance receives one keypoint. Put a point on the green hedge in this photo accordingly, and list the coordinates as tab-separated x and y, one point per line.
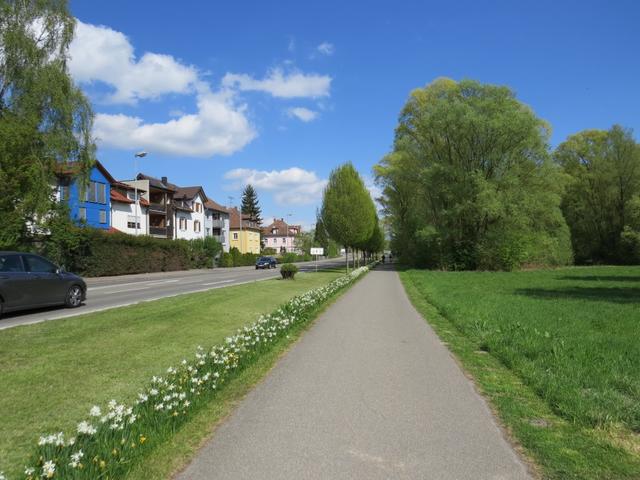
92	252
291	257
236	259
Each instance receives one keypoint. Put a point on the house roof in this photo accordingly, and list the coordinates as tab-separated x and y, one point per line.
211	205
189	193
234	221
73	168
283	229
157	183
116	196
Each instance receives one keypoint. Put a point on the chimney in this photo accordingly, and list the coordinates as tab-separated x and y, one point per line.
164	180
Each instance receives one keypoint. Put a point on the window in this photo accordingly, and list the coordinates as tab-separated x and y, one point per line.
102	194
196	226
182	223
103	216
198	207
131	222
235	235
284	239
10	263
64	192
82	213
39	265
90	193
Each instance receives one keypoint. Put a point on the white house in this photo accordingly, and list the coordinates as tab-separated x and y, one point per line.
216	223
124	209
188	204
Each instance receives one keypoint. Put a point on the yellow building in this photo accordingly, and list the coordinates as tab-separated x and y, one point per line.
247	239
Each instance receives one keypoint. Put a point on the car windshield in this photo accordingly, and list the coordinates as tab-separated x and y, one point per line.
263	259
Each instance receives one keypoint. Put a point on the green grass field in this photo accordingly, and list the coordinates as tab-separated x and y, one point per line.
53	372
558	354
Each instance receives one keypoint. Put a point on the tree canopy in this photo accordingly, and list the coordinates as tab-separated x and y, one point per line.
45	119
469	183
348	213
250	205
602	195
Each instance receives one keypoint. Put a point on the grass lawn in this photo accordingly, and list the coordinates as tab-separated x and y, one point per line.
558	354
52	373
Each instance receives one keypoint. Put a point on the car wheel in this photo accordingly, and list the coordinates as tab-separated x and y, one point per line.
74	297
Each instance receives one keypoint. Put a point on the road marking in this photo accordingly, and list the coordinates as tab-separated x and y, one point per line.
221	281
125	290
145	282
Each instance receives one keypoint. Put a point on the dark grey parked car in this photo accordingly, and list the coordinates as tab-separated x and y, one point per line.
31	281
266	262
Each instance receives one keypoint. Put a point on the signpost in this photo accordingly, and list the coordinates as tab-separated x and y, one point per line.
317	251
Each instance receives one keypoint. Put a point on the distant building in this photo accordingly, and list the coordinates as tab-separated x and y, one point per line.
281	236
159	194
216	223
188	204
126	216
91	207
247	238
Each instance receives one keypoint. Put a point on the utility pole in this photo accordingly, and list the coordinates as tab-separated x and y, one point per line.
135	188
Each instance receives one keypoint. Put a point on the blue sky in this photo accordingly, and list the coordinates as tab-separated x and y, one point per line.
279	93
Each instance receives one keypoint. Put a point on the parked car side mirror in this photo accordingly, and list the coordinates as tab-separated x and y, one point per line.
59	270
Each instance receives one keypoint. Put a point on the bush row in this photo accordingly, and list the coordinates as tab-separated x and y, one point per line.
95	253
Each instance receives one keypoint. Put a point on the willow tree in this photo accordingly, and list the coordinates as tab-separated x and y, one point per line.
470	184
45	119
348	213
603	168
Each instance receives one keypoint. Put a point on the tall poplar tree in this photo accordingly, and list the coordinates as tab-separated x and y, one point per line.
45	120
348	212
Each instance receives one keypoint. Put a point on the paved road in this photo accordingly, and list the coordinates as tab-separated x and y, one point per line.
109	292
368	393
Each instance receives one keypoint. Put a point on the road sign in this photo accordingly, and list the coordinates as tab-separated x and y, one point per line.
317	251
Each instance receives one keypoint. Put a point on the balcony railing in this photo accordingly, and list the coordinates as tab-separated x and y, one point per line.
217	223
166	232
158	207
219	238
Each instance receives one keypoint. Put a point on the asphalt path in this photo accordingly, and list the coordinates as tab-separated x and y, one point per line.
369	392
109	292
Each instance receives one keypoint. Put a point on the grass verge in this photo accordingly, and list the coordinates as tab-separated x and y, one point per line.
173	455
555	352
53	372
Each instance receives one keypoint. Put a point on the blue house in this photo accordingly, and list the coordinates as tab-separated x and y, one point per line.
94	208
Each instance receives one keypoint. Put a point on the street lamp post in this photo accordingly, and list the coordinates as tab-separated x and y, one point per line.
135	188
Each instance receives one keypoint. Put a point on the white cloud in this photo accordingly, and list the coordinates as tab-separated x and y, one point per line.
326	48
374	190
292	186
281	84
101	54
219	127
302	113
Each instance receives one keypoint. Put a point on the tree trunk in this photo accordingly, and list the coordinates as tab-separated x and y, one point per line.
346	257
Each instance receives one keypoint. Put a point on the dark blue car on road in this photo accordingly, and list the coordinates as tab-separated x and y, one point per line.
266	262
31	281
